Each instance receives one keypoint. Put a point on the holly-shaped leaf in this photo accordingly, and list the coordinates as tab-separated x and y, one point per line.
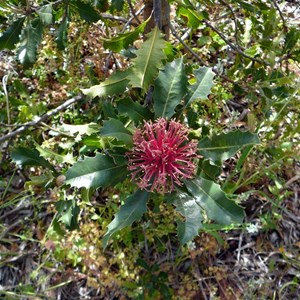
223	146
148	61
169	88
30	39
201	89
62	33
12	35
45	14
114	85
132	210
213	200
133	110
188	207
98	171
68	212
115	128
122	41
84	129
86	11
29	157
194	17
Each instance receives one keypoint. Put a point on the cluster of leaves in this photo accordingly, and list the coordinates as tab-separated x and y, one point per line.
27	23
172	97
160	82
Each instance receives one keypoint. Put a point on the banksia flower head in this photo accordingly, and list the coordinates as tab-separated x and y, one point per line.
162	156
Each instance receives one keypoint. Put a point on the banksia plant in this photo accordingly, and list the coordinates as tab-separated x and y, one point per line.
162	156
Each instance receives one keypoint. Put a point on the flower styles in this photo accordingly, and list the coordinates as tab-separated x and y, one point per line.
162	156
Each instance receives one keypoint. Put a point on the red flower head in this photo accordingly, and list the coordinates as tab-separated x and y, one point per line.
162	156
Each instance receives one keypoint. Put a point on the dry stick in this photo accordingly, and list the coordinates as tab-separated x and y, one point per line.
133	12
41	119
281	15
4	84
185	45
235	22
237	49
196	55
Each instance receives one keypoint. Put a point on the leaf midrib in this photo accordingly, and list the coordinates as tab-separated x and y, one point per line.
169	92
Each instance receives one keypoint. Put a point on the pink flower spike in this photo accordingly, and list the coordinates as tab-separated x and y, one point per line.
162	156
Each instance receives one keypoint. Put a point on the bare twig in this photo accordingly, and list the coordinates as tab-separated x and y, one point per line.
234	47
41	119
234	20
134	14
185	45
116	18
281	15
196	55
4	84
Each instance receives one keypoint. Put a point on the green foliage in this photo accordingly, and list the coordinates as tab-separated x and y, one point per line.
98	171
204	197
148	61
132	210
214	201
133	110
123	40
245	87
223	146
29	157
31	37
114	85
86	11
12	35
169	88
62	33
188	207
115	128
68	212
201	88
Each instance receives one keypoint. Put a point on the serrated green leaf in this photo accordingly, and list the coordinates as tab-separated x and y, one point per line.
30	39
60	159
201	89
62	34
122	41
246	5
115	128
194	18
86	11
291	39
133	110
188	207
148	61
223	146
109	110
214	201
132	210
117	5
12	35
209	170
85	129
29	157
98	171
45	14
114	85
68	211
169	88
118	154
